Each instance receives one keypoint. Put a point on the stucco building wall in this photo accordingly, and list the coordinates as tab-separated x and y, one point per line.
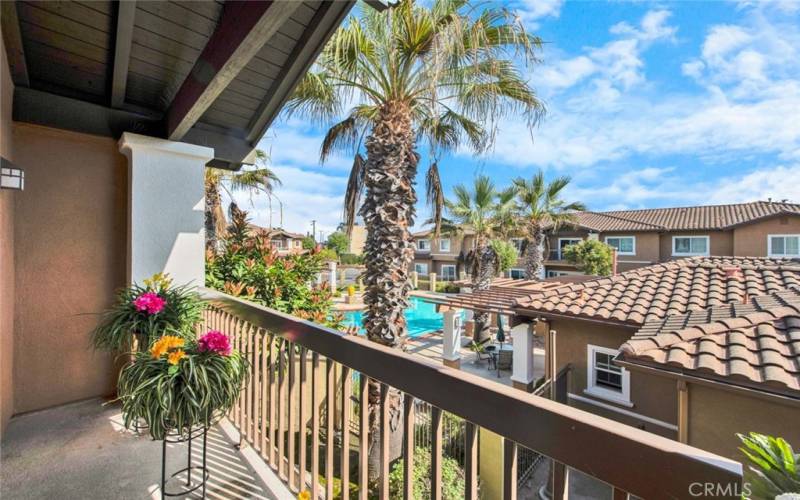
720	242
70	245
651	396
6	251
716	415
751	240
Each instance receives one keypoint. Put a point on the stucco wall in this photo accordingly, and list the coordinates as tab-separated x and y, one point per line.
721	242
6	251
751	240
647	249
715	416
70	242
652	396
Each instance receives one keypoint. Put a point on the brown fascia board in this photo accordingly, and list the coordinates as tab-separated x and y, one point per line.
533	313
762	391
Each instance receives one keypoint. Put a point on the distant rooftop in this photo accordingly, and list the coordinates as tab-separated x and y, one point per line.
707	217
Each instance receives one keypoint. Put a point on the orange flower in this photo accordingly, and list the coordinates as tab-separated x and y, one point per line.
164	344
176	356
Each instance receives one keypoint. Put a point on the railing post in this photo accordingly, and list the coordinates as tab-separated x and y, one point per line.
432	277
451	338
522	375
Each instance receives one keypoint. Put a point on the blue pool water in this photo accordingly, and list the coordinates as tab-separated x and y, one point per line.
421	316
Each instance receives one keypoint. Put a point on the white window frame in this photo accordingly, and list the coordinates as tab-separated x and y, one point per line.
442	246
455	276
518	269
781	255
518	242
692	254
619	238
573	240
427	241
422	265
622	397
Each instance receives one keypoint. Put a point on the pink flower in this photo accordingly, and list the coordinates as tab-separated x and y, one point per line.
214	341
149	302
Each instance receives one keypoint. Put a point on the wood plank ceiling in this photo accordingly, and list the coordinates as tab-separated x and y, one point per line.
109	67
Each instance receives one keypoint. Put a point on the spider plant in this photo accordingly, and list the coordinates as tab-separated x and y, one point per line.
174	395
181	312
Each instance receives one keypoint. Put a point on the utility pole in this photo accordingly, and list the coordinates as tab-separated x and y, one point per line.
314	230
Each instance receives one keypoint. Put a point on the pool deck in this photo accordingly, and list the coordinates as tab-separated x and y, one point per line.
429	346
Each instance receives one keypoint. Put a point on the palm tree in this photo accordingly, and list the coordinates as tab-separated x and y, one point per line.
477	210
258	180
540	206
441	77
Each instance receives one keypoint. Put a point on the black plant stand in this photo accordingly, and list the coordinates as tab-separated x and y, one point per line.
179	438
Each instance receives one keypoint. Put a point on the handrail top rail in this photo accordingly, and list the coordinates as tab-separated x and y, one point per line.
611	451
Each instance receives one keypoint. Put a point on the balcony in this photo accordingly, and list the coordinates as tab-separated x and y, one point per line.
302	428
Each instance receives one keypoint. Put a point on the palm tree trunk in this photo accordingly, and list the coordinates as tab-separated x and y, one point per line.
213	208
388	213
482	280
534	258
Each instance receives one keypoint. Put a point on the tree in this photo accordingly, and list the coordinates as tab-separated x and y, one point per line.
590	256
339	242
441	77
309	243
540	205
506	254
254	181
475	209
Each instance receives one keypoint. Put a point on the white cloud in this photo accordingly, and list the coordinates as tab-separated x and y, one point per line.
777	183
653	26
531	11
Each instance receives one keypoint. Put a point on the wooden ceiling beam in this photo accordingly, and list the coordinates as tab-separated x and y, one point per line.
12	39
244	28
328	17
126	11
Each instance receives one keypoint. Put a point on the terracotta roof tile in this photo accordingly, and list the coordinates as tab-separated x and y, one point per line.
759	347
713	217
670	289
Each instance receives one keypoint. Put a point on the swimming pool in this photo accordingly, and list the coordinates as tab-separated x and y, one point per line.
421	316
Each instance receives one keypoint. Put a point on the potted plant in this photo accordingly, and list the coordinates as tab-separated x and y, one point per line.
180	383
145	313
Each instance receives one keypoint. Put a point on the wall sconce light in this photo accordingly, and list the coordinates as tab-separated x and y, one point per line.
11	176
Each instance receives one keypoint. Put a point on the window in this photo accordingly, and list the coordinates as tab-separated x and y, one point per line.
783	245
625	245
277	243
554	274
424	245
516	274
518	242
565	242
444	245
605	379
448	272
421	269
689	245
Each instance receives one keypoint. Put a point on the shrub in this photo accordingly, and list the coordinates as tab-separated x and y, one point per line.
338	242
507	254
775	467
590	256
452	477
328	255
446	287
309	243
250	268
351	259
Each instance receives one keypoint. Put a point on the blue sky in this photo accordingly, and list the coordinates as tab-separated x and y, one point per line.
650	104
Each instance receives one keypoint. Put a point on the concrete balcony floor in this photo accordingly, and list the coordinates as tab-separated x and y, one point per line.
82	451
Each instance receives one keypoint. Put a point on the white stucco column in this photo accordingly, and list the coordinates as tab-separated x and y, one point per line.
332	269
522	374
166	207
451	339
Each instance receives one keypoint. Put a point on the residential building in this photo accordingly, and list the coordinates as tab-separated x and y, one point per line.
441	255
695	349
644	237
284	242
358	237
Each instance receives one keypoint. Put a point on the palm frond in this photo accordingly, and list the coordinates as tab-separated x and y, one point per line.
352	195
435	198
